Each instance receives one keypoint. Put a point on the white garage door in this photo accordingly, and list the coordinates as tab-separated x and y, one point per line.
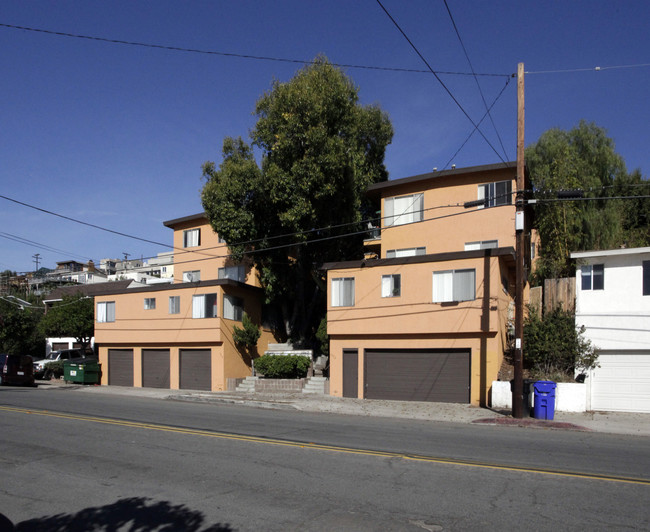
622	382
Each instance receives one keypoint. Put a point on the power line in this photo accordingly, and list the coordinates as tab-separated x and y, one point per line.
592	69
480	122
237	55
38	245
440	81
453	22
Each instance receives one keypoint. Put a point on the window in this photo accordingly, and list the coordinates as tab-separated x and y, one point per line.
483	244
391	285
646	277
233	307
174	304
343	292
403	210
593	277
204	306
236	273
408	252
149	303
192	277
454	285
191	238
495	194
106	311
221	240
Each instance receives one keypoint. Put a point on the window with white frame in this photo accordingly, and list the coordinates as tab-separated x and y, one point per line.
482	244
174	304
403	209
343	292
407	252
391	285
105	311
149	303
646	277
593	277
454	285
495	194
192	276
191	238
204	306
233	307
236	273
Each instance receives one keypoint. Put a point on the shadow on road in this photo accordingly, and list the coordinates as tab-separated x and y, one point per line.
134	514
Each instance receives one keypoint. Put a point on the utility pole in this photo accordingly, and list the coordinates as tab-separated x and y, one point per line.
37	259
518	384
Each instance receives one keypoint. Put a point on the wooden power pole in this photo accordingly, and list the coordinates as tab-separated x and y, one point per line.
518	384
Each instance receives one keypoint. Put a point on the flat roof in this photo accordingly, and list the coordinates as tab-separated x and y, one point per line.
609	252
418	259
190	218
509	165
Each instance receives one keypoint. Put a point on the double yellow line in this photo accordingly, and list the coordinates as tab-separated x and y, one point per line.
323	447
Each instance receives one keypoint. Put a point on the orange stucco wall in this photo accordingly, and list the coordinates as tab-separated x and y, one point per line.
447	225
208	257
413	321
136	328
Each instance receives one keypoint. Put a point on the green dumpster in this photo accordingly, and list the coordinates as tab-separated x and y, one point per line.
81	372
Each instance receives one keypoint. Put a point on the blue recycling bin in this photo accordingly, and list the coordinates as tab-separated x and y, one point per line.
544	406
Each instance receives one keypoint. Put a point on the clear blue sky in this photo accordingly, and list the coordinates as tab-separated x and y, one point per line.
115	135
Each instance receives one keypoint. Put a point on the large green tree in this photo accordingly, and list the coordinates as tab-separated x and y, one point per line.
319	150
73	317
19	332
582	158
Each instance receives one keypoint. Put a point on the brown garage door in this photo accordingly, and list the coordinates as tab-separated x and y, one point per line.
350	373
196	369
120	367
155	368
417	375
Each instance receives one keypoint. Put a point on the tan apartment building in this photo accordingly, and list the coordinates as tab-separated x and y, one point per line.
179	336
425	316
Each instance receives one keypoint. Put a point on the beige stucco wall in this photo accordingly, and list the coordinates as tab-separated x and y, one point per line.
208	257
448	228
136	328
413	321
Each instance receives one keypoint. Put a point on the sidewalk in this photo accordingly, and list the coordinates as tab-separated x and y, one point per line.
610	422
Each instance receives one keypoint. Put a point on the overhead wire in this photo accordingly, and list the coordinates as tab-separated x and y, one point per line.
480	90
592	69
239	55
447	90
208	256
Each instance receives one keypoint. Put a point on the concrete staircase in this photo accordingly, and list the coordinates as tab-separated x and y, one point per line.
316	386
247	385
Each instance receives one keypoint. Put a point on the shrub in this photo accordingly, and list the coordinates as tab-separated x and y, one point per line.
55	369
555	348
247	336
283	366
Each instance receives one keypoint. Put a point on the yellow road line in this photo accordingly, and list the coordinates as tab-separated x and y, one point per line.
325	447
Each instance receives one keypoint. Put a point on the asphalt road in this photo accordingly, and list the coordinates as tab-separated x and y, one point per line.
113	463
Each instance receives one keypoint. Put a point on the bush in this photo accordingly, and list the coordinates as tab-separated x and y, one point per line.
247	336
55	369
282	366
555	348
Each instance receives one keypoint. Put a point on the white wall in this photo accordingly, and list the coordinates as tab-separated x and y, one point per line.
618	317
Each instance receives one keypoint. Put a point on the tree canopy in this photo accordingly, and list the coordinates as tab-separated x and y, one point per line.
584	158
73	317
320	150
19	334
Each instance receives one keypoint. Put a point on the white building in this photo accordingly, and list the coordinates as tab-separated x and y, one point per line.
613	303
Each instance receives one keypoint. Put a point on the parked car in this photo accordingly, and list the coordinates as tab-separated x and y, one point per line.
41	372
16	369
